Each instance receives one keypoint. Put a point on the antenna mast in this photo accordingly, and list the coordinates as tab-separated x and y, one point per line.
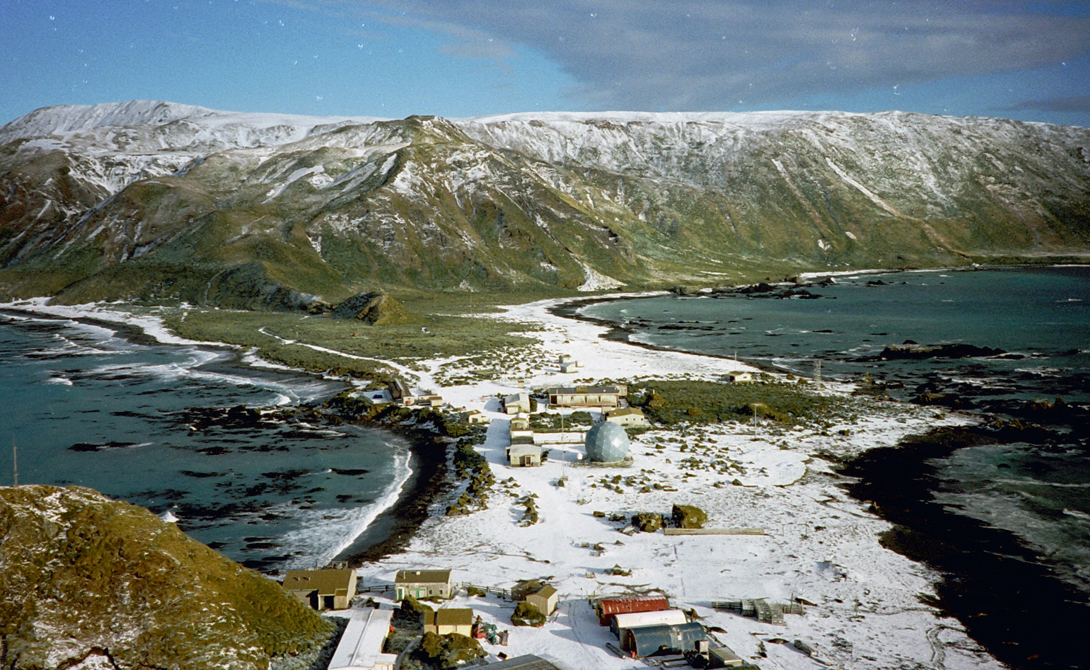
14	462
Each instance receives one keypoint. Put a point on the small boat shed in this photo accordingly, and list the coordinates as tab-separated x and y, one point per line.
649	640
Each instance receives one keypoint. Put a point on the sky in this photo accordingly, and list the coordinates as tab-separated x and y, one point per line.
1027	60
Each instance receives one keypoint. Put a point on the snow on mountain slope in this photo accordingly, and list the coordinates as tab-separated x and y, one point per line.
312	204
148	126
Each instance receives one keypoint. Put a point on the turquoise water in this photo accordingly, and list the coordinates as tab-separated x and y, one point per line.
170	428
1038	489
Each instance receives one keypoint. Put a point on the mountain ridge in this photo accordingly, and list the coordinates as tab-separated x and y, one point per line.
164	202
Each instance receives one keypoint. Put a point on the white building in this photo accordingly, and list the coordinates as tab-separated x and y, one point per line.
360	647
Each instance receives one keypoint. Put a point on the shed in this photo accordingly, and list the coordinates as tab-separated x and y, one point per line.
607	607
322	589
475	416
619	623
361	643
740	376
626	416
423	584
449	620
724	657
649	640
400	392
516	403
523	455
544	599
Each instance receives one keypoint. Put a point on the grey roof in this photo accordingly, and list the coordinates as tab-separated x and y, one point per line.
647	640
527	662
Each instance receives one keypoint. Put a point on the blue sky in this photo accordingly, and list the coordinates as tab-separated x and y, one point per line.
392	58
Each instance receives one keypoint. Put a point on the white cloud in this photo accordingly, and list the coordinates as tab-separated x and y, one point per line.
716	54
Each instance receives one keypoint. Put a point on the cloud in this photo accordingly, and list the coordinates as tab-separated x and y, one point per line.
718	54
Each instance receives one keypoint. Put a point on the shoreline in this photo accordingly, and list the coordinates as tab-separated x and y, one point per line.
974	563
990	580
473	545
393	525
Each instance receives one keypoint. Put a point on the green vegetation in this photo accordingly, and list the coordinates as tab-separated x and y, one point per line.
105	574
526	614
346	346
671	403
470	464
447	651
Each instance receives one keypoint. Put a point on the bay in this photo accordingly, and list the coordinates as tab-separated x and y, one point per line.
1003	512
191	434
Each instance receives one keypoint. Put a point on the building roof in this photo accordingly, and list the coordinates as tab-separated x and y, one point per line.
570	390
526	662
422	577
361	642
624	411
657	618
325	582
547	591
647	640
518	449
449	616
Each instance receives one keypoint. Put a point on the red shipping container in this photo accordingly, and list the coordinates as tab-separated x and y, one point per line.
607	607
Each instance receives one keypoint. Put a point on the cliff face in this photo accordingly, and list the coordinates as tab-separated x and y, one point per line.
163	202
88	582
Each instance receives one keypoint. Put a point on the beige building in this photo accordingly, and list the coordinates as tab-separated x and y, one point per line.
322	589
524	455
740	376
627	416
475	416
423	584
544	599
450	620
586	396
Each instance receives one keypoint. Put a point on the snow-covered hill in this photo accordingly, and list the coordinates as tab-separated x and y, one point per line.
285	205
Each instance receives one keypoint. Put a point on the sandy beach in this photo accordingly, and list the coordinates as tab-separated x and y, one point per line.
818	544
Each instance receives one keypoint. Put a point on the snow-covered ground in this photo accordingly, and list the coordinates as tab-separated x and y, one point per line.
819	544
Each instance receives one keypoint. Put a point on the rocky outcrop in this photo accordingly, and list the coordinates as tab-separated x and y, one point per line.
688	516
86	581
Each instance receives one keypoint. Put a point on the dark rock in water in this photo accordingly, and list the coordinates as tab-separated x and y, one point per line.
85	446
912	351
761	287
373	307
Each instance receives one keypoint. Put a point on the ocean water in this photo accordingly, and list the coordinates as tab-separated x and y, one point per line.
1029	490
191	434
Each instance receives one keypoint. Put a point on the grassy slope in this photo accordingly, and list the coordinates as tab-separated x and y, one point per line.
79	572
